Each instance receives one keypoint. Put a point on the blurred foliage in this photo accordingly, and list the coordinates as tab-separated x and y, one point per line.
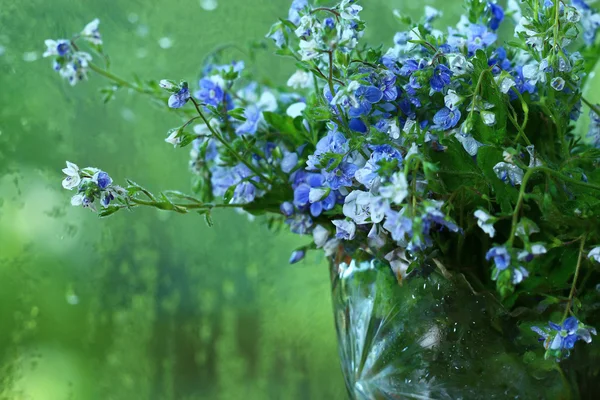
146	305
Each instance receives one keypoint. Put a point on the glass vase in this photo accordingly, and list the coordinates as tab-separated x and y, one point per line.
430	335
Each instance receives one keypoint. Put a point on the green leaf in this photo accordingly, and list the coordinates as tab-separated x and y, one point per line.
237	113
107	211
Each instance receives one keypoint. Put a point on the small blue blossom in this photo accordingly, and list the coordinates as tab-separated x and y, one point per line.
594	128
441	78
478	37
446	118
496	16
210	92
387	85
367	174
102	179
341	176
501	257
300	224
287	209
289	162
253	117
559	344
333	142
178	100
295	8
297	256
314	194
398	225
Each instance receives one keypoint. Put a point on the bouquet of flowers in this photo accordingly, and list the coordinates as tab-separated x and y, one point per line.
454	145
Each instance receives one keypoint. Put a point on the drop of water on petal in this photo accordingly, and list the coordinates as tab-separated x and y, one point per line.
165	42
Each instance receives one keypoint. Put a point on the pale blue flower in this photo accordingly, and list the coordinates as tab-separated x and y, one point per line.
297	256
178	100
346	230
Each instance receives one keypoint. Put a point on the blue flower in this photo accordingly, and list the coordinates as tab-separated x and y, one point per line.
496	16
441	78
253	117
398	225
329	23
297	256
409	67
287	209
210	92
341	176
501	257
333	142
594	128
446	118
313	193
367	174
106	198
178	100
366	95
300	224
102	179
295	8
479	37
567	334
387	86
289	161
357	125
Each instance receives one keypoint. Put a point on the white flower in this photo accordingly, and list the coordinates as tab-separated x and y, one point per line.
504	83
469	143
397	190
594	254
459	65
488	117
376	237
55	47
393	129
538	249
486	222
514	8
73	179
77	200
308	49
267	101
534	161
349	12
91	33
408	125
331	247
509	173
320	235
451	99
414	149
173	138
300	80
398	262
317	194
166	84
296	109
356	206
345	229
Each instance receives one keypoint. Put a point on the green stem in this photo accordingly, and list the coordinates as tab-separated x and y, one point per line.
520	200
574	284
231	149
594	107
118	80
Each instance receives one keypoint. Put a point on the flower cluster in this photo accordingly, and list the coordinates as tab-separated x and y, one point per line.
448	139
92	184
69	62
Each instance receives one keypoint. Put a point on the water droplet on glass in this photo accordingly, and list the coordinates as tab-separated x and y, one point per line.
142	30
30	56
133	18
165	42
208	5
127	114
141	53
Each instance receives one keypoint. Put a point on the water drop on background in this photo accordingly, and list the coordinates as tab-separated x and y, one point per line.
165	42
30	56
208	5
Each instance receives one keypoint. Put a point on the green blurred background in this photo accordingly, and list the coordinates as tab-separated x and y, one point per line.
146	305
